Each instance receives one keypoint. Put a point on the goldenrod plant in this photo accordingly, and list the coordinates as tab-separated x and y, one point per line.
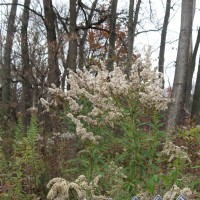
117	120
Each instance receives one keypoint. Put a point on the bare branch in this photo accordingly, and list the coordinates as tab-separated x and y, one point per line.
146	31
19	4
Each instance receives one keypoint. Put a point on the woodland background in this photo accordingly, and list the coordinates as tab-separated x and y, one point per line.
56	58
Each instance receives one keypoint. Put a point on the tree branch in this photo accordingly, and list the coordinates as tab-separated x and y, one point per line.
19	4
146	31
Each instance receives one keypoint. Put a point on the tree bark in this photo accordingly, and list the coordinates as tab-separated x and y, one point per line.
131	32
161	60
191	67
50	17
195	114
112	35
6	86
72	50
180	79
135	20
26	67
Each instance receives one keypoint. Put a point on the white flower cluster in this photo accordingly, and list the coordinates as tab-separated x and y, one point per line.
56	136
175	152
116	178
175	191
59	189
153	94
98	89
57	97
82	132
108	92
116	171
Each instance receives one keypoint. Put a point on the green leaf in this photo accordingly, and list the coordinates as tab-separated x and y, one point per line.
166	179
152	182
151	185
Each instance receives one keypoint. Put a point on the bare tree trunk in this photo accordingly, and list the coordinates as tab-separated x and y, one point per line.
50	17
1	64
131	31
135	20
84	37
196	99
112	35
161	60
72	51
180	79
26	67
191	67
6	86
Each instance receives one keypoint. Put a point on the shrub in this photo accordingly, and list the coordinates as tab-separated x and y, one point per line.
25	167
117	121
